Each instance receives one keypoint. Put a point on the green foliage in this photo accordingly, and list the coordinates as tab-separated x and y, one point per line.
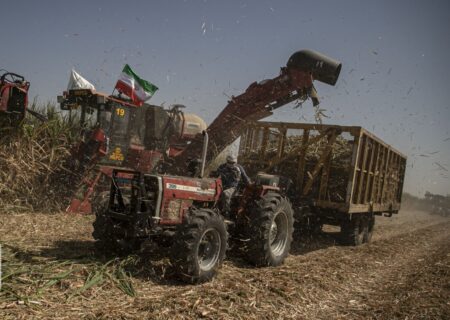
30	279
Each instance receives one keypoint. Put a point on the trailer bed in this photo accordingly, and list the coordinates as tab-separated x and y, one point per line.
331	167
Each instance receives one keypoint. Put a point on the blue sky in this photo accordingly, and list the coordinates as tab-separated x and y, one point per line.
395	54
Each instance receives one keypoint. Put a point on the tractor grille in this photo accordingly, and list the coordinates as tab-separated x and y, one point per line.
172	210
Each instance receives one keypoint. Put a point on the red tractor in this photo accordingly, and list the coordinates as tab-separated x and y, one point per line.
13	98
181	214
173	203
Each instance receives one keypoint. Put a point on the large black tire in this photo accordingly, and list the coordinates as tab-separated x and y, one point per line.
199	246
268	230
354	231
108	236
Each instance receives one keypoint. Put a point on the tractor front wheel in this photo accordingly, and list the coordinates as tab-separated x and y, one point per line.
199	246
107	234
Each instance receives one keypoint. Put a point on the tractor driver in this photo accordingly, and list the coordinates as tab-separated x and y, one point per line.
231	174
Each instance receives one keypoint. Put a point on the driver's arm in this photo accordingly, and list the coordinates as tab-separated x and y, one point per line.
245	179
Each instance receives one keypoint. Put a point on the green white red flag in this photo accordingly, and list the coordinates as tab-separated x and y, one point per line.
130	84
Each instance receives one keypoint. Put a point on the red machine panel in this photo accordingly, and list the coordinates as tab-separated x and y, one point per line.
143	160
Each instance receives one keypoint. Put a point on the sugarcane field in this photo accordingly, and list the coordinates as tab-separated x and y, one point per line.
224	160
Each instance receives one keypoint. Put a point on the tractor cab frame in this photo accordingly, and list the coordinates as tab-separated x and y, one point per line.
13	97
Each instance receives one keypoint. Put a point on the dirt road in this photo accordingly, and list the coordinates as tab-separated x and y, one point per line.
50	270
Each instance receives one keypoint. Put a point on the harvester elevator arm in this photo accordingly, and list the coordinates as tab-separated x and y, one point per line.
260	99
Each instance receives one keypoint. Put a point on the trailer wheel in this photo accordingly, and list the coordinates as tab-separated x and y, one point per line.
269	231
370	227
354	231
199	246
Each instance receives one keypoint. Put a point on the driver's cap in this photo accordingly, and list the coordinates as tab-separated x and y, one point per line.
231	158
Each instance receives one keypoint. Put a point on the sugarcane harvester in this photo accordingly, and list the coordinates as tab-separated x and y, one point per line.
118	133
13	97
14	100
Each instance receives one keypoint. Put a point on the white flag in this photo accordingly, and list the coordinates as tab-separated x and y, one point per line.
78	82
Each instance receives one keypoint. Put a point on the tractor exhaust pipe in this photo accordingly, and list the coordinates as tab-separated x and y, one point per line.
322	68
204	152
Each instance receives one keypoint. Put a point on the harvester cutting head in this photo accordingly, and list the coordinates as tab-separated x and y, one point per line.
13	97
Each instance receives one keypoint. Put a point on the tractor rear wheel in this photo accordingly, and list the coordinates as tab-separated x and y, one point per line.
354	231
199	246
269	230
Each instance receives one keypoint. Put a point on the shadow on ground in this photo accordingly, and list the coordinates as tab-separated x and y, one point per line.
309	242
302	244
151	263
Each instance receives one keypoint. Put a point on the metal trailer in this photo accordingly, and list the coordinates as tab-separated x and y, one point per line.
336	173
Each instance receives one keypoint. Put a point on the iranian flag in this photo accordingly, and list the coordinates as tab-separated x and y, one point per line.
139	90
